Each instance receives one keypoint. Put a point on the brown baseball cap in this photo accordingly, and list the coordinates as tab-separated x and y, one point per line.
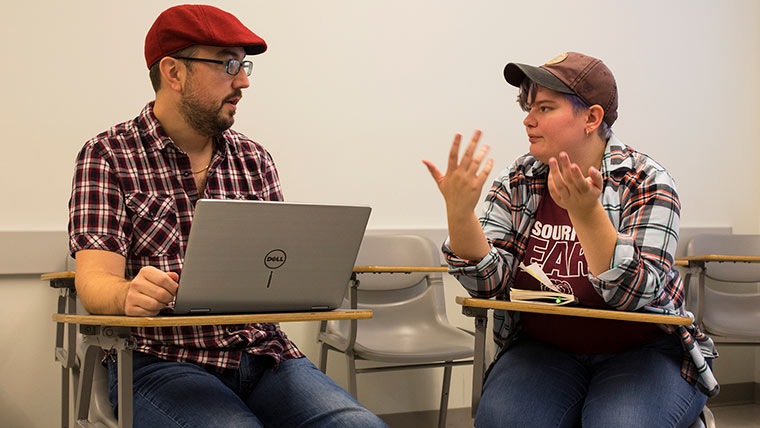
572	73
187	25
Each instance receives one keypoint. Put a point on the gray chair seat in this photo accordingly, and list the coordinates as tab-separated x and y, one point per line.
730	314
420	339
409	328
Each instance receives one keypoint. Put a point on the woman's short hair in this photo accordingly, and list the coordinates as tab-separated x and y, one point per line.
527	94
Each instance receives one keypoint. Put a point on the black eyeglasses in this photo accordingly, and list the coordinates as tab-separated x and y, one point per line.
232	65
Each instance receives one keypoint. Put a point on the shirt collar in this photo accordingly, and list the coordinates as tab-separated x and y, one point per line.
616	156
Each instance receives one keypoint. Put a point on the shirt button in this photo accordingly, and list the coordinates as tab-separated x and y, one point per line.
185	174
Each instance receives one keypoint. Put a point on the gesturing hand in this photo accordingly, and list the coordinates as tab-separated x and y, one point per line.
462	185
570	189
150	291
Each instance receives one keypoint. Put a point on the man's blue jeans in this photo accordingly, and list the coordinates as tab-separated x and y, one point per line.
533	384
297	394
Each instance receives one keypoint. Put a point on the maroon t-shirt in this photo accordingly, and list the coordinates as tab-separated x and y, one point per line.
554	245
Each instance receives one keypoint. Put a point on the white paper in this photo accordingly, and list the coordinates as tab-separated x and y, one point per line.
536	271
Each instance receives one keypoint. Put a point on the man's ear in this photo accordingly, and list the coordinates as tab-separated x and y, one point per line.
173	73
594	118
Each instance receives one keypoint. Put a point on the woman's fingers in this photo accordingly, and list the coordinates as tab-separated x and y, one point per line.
484	172
470	150
454	154
434	171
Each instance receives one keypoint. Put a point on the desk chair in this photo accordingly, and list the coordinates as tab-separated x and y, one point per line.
479	308
409	328
113	333
730	315
80	365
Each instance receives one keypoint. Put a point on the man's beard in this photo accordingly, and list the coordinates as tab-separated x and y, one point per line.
204	118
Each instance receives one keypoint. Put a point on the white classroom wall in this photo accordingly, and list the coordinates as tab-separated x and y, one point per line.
349	99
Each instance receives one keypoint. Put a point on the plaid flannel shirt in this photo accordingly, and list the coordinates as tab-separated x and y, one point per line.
640	199
134	194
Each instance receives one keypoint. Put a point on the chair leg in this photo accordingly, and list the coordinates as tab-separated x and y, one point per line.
708	417
444	397
351	365
323	358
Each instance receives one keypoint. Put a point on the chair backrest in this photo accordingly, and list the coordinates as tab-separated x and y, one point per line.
743	245
731	310
396	250
397	299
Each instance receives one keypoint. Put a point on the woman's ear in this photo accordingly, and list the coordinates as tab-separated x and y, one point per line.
594	118
173	73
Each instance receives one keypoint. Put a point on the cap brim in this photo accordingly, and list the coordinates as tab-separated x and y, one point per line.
255	49
515	73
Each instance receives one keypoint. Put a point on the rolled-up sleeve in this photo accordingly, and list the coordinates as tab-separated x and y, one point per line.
97	215
647	239
490	275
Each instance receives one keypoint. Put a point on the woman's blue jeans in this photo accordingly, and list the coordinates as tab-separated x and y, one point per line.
297	394
533	384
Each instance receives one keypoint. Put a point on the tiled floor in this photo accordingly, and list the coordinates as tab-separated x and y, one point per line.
744	416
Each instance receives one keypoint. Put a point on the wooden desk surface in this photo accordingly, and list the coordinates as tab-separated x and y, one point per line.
174	321
573	311
56	275
685	261
399	269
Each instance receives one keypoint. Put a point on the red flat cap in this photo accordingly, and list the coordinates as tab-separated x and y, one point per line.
183	26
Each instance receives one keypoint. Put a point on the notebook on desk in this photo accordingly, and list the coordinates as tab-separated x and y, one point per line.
262	256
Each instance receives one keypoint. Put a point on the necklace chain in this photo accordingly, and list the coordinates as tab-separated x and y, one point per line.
202	169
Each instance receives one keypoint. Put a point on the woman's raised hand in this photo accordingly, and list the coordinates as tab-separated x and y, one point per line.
572	191
462	185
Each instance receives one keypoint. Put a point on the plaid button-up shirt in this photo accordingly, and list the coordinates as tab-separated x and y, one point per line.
134	194
640	199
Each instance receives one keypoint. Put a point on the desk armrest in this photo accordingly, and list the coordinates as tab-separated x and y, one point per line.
573	311
59	279
173	321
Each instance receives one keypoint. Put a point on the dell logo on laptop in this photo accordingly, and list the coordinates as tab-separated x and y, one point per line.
275	259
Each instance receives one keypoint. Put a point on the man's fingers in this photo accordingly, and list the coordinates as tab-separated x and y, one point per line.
145	308
159	278
142	301
152	291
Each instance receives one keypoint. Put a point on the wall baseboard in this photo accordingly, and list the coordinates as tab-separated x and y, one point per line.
734	394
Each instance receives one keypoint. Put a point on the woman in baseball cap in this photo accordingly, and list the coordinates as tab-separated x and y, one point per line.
601	220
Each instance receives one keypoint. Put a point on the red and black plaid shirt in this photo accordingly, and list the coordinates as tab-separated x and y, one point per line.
134	194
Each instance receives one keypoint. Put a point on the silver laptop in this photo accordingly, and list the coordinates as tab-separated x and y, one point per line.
262	256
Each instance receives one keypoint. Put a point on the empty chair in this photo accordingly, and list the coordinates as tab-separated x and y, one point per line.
409	327
730	314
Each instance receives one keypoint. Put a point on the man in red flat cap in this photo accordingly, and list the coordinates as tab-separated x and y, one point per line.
134	191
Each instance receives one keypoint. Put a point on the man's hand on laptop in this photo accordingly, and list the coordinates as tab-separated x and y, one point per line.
150	291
